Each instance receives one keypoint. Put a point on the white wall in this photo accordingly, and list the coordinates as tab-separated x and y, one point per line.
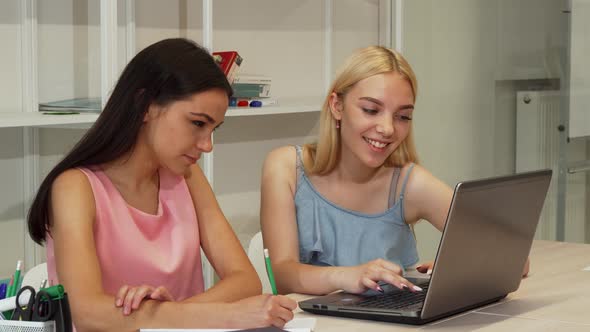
451	46
289	32
11	144
470	57
579	125
355	25
68	49
241	145
156	20
12	228
10	67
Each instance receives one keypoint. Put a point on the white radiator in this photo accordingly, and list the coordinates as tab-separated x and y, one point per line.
537	147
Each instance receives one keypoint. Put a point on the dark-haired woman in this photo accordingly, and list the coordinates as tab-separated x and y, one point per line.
130	206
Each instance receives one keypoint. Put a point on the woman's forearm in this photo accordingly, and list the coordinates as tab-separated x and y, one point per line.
98	314
295	277
235	287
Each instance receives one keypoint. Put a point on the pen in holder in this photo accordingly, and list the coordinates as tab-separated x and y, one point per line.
61	308
62	315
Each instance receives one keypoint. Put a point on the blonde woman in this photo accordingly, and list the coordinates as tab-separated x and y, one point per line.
338	214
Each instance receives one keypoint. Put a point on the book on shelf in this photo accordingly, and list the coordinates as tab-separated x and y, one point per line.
229	62
251	90
252	79
90	105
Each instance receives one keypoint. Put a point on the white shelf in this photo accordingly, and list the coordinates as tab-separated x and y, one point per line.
38	119
274	109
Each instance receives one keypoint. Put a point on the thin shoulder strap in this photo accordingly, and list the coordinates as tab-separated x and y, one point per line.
401	196
299	164
393	186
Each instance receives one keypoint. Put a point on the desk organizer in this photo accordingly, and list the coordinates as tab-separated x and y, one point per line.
22	326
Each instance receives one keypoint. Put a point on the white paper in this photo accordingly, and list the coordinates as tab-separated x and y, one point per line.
213	330
307	324
295	325
586	269
184	330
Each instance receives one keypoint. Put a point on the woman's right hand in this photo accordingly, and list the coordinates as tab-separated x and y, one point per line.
129	297
357	279
262	310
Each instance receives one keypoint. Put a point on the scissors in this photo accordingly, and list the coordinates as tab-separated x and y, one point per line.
39	308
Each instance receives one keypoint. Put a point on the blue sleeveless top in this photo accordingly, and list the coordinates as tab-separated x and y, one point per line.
330	235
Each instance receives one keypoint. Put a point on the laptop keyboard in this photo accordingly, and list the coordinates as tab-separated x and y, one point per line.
395	300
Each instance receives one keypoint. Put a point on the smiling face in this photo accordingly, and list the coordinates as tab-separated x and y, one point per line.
375	117
178	133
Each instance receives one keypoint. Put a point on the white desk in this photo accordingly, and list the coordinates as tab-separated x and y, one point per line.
555	297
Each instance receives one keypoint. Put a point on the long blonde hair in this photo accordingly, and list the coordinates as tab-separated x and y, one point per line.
322	156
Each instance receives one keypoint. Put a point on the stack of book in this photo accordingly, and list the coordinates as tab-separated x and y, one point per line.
253	89
249	90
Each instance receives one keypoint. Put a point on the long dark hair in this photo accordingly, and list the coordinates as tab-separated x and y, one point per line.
167	71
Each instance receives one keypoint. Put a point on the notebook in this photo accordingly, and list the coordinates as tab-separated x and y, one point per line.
485	243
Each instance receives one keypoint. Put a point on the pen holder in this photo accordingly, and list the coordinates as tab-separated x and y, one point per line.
62	316
22	326
60	321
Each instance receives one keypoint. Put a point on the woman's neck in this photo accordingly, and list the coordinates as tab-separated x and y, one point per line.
134	170
352	169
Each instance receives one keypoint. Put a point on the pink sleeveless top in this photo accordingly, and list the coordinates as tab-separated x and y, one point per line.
136	248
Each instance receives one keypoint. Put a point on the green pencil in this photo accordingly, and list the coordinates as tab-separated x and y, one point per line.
15	285
271	276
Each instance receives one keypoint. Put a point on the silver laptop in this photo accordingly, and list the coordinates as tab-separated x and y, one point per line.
484	246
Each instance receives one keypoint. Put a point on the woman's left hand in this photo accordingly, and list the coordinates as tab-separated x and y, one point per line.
129	297
527	266
425	267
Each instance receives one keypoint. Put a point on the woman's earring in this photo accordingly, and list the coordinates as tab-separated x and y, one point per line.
337	124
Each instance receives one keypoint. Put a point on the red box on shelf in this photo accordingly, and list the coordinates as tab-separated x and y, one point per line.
229	62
